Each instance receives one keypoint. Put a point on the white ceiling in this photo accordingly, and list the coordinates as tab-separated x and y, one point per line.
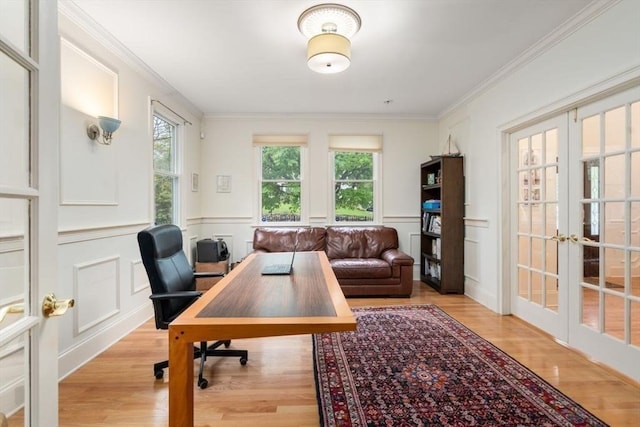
242	57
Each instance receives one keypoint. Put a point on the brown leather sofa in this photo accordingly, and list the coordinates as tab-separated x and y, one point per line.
365	260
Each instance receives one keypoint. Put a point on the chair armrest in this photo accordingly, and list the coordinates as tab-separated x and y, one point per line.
176	295
201	274
396	257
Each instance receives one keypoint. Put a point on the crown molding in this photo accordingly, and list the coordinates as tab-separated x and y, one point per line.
569	27
320	116
70	10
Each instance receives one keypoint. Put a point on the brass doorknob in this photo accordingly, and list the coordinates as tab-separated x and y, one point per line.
575	239
51	306
559	238
14	308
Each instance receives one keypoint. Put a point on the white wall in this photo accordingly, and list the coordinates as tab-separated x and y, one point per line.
600	54
227	150
99	261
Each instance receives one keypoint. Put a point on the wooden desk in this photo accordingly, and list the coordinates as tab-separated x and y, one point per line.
246	304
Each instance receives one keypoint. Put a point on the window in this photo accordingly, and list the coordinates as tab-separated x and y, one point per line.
165	171
280	184
355	177
281	189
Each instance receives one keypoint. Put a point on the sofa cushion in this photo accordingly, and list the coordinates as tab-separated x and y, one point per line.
274	239
360	242
361	268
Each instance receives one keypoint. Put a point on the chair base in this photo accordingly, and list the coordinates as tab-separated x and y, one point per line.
203	352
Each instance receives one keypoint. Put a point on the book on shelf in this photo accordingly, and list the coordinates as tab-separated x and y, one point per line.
435	248
431	222
435	224
433	270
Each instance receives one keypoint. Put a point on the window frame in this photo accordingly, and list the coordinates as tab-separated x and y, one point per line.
176	167
304	191
377	188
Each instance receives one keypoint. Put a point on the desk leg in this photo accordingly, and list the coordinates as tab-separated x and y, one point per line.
180	380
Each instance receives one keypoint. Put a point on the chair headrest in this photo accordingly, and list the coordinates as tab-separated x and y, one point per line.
165	239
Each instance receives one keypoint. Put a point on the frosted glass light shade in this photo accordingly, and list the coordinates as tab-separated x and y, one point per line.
109	124
329	53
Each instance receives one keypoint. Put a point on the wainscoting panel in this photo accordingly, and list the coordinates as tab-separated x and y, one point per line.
191	250
139	279
96	286
471	259
414	246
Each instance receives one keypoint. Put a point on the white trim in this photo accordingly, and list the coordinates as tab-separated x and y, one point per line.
77	235
78	328
476	222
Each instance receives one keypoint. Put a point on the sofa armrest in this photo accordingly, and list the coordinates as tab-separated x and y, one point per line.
399	262
396	257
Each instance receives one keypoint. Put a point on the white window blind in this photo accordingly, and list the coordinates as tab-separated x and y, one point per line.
260	140
370	143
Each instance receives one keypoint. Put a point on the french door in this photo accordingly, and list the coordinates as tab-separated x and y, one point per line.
540	295
29	100
576	217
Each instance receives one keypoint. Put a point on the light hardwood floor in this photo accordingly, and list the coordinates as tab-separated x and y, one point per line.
276	388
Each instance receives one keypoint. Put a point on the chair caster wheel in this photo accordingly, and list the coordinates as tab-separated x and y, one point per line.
202	383
159	374
243	361
227	344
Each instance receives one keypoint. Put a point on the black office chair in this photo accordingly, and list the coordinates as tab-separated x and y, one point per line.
173	289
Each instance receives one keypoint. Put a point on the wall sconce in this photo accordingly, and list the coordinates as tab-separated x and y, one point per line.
108	126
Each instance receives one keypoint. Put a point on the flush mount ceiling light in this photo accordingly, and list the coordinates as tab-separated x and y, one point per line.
329	27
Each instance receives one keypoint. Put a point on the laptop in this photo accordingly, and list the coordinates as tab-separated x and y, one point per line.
280	269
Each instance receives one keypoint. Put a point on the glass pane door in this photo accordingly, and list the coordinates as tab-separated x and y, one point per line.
610	240
539	215
605	232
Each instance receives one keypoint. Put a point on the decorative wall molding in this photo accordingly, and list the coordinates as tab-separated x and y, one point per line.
476	222
227	220
70	236
93	178
97	292
414	246
139	278
317	221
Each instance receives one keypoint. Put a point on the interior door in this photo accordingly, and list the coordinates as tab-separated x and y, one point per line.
576	215
605	231
29	80
539	212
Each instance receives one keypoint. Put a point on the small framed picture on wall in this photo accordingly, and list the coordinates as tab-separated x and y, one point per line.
223	184
195	184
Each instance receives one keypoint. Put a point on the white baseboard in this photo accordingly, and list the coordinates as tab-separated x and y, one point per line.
74	358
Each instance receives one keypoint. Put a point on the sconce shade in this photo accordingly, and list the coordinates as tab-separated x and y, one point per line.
109	124
328	53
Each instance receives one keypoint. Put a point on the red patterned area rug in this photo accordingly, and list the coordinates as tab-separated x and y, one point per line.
417	366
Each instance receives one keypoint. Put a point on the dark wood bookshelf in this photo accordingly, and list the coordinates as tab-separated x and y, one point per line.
442	248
